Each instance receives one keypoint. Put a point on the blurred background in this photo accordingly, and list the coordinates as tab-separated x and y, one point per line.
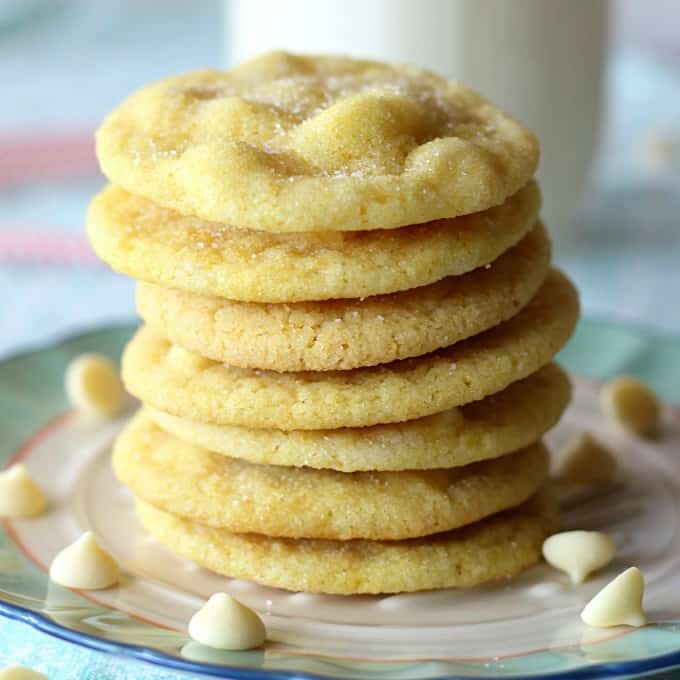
600	83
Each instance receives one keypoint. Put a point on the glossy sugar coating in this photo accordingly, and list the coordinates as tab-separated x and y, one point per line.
154	244
344	334
305	503
187	385
288	143
490	550
507	421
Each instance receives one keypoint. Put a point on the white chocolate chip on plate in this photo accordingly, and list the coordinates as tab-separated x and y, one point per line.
93	385
15	672
85	565
632	404
619	603
225	623
579	553
584	460
20	496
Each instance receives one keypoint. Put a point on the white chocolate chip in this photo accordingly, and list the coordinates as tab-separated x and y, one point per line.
93	385
584	460
20	496
632	404
579	553
619	603
85	565
15	672
225	623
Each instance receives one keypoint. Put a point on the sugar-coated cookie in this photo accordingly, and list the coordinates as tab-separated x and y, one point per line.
187	385
243	497
495	548
147	242
503	422
344	334
289	143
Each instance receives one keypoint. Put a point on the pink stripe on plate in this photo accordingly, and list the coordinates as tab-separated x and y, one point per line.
46	155
48	248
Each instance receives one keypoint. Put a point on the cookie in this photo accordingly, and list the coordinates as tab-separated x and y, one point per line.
154	244
490	550
288	143
187	385
503	422
242	497
344	334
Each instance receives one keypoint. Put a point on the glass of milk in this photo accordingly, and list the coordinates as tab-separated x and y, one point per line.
540	60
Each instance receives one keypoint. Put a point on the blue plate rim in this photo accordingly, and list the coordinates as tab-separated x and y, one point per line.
42	623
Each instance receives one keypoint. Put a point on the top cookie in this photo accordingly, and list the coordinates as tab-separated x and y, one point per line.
287	143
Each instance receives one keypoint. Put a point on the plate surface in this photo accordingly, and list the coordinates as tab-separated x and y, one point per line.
527	627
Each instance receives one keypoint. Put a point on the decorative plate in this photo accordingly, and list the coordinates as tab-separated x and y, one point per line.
528	627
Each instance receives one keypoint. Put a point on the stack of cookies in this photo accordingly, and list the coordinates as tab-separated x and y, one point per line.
346	368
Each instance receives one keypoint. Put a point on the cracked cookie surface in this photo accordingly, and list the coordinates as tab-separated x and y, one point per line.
290	143
293	502
344	334
507	421
154	244
184	384
493	549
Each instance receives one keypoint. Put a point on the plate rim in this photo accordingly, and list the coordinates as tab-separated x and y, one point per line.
44	624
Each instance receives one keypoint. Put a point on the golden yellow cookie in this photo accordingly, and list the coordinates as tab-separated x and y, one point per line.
289	143
503	422
495	548
187	385
154	244
305	503
343	334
